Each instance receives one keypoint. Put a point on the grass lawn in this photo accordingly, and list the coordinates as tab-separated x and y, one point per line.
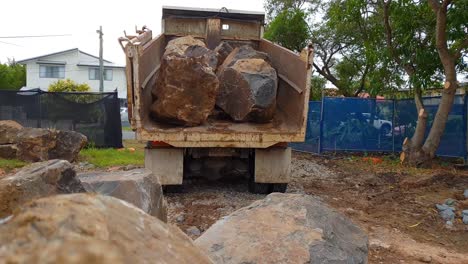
10	164
126	128
132	154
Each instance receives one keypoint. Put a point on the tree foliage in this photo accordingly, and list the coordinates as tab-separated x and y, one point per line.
68	86
289	29
12	76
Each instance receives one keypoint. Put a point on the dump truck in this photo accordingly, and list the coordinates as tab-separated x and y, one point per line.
218	147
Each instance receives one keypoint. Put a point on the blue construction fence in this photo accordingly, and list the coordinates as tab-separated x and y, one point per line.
365	125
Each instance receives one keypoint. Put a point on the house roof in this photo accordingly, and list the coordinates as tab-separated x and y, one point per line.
60	52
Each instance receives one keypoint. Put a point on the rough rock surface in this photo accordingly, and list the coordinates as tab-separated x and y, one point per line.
186	88
37	144
8	151
68	145
248	89
242	52
179	45
139	187
223	50
8	131
86	228
35	181
34	144
285	228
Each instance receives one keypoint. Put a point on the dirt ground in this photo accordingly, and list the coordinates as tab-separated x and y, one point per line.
394	204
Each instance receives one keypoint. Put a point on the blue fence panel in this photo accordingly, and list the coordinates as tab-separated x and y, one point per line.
357	124
311	143
452	141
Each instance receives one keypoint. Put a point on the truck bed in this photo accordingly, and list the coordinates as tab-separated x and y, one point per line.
288	125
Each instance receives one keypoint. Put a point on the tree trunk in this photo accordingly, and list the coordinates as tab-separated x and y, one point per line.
421	156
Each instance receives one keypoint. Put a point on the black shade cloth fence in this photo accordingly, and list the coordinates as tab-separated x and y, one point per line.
96	115
364	125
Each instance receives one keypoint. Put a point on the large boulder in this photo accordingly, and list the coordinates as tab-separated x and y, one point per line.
186	88
86	228
8	131
248	89
35	181
239	53
139	187
179	45
68	145
38	144
34	144
285	228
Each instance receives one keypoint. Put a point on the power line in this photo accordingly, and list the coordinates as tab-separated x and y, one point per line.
9	43
35	36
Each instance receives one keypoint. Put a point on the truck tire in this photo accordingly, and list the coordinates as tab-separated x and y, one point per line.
279	187
173	188
259	188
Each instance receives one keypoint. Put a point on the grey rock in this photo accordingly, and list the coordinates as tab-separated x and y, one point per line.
447	214
465	212
193	230
139	187
443	207
426	259
68	145
35	181
294	227
450	202
465	219
180	218
465	193
247	90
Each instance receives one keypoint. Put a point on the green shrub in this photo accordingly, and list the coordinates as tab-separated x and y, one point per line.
68	85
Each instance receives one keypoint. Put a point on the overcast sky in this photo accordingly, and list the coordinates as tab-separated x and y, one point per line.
82	18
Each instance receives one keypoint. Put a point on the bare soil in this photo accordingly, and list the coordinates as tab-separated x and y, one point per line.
395	205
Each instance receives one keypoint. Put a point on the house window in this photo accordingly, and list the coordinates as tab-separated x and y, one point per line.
52	71
94	74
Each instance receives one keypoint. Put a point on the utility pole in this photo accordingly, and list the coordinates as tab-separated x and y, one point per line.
101	61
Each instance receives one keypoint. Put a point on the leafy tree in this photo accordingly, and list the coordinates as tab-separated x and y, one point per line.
289	29
418	36
12	75
317	85
68	86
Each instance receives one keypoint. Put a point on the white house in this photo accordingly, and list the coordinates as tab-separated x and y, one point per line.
76	65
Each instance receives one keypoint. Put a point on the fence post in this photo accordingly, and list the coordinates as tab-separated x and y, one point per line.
40	108
393	126
465	129
322	108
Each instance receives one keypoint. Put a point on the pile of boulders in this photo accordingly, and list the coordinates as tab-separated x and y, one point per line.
448	210
194	80
51	215
37	144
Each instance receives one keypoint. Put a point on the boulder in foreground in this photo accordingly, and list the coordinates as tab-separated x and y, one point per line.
86	228
139	187
35	181
285	228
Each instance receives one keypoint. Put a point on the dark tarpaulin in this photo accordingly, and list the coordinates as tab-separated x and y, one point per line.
96	115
